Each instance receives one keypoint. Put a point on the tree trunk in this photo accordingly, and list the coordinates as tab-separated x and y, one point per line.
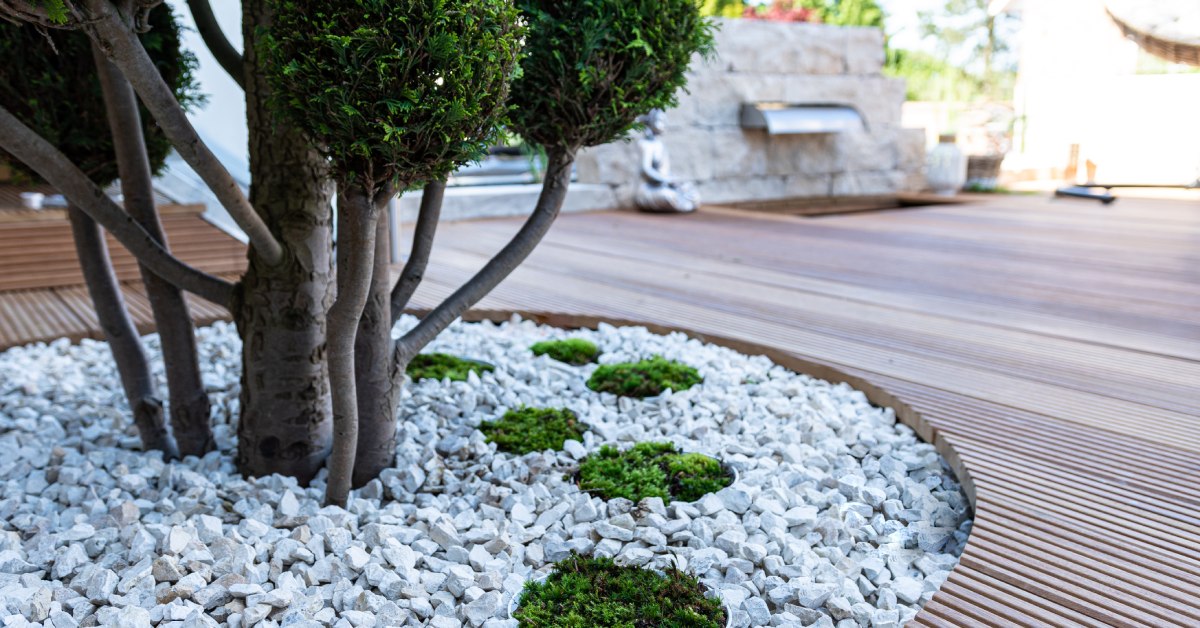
122	336
286	424
378	386
357	225
189	406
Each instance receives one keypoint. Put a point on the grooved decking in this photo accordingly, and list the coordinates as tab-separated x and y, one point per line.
1050	349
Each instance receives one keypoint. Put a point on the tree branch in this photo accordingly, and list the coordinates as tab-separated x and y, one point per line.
418	258
122	47
22	143
218	44
554	192
357	216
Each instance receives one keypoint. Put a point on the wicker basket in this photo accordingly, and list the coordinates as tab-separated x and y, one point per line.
983	172
1173	51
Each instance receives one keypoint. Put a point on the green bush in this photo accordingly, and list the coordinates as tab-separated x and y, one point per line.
651	470
588	592
594	66
575	351
526	430
644	379
48	80
409	89
441	366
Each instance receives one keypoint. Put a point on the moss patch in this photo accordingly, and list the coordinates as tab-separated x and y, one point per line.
651	470
587	592
644	379
526	429
575	351
440	366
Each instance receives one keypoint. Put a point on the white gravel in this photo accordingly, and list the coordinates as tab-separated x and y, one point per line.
841	515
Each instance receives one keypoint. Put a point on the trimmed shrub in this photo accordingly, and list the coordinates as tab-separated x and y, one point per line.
586	592
441	366
407	89
576	351
644	379
525	430
48	80
651	470
594	66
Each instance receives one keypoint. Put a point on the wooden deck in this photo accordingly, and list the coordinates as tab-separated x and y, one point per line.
41	291
1050	349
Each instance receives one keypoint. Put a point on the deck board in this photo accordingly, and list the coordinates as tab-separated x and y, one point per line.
1055	346
1050	349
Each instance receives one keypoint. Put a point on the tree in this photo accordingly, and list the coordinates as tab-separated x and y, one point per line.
377	97
969	36
59	85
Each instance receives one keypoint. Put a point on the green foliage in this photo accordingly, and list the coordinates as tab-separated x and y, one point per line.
644	379
403	90
575	351
526	430
441	366
594	66
973	59
837	12
592	592
58	95
651	470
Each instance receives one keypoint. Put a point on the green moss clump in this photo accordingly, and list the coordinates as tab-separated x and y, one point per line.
651	470
526	429
644	379
587	592
575	351
441	366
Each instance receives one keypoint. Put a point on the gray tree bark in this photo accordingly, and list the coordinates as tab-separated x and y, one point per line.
358	218
189	406
286	423
418	258
375	372
120	332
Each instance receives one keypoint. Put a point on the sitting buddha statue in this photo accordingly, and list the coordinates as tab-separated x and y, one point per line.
657	193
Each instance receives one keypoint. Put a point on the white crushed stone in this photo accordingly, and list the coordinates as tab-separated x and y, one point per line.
841	516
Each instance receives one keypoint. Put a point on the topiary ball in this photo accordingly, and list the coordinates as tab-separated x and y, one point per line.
594	66
48	80
394	89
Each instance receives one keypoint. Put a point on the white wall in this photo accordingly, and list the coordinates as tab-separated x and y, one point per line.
221	122
1078	85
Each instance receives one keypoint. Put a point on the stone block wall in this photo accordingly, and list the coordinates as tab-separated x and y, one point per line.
761	61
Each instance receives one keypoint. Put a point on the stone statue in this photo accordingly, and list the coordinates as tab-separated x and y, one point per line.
657	193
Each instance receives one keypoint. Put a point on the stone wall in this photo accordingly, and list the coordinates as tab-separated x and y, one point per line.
796	63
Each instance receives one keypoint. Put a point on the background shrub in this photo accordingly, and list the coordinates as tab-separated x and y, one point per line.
524	430
576	351
646	378
407	88
651	470
596	592
58	94
441	366
594	66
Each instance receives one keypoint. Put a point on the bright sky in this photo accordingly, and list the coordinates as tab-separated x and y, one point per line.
902	21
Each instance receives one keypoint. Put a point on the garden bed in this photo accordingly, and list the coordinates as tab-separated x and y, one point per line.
838	510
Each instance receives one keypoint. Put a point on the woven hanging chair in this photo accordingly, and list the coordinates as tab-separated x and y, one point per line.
1169	29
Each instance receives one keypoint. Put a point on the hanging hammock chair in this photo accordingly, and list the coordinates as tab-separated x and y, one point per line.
1169	29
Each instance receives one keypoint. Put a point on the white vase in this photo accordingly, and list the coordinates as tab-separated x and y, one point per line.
946	167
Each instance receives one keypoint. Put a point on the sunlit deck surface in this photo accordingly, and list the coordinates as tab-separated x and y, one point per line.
1051	350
